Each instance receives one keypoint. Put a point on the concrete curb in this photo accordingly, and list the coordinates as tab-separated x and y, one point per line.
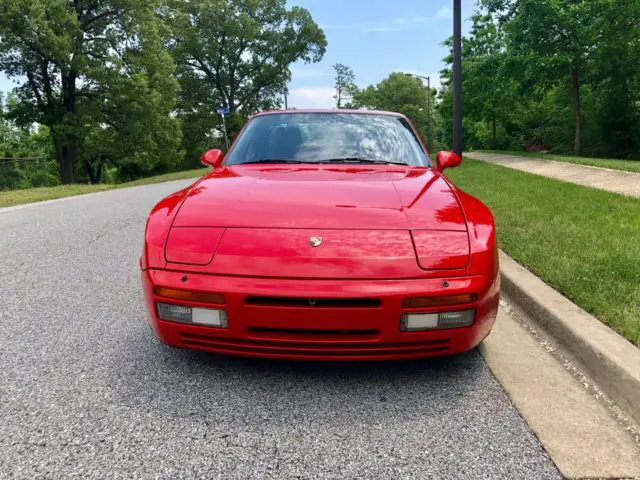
605	356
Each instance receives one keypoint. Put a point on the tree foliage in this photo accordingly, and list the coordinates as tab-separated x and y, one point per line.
404	94
236	53
97	75
126	86
23	143
345	86
561	75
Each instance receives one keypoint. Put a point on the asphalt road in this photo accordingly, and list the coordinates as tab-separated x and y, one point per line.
87	391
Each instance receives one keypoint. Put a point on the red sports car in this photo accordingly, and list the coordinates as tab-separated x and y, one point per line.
323	235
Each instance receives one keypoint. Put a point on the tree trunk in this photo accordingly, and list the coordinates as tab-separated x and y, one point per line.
95	173
66	155
577	110
494	134
66	144
100	172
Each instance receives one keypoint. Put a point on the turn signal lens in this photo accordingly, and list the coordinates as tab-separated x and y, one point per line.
174	313
189	296
456	319
421	302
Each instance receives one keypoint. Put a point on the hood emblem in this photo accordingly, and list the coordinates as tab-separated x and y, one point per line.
315	241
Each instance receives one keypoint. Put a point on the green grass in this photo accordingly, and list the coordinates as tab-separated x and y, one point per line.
582	241
625	165
19	197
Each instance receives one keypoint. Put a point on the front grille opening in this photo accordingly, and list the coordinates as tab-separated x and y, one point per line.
310	302
302	331
319	350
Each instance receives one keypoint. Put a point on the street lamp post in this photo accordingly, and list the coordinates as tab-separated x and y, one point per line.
429	134
457	77
457	81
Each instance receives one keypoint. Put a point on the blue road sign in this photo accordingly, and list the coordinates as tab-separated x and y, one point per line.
222	110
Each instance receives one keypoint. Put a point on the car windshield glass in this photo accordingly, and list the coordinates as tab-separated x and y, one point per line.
335	138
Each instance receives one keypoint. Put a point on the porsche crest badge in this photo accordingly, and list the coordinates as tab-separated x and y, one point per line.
315	241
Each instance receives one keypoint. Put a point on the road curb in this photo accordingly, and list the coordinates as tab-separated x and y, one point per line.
605	356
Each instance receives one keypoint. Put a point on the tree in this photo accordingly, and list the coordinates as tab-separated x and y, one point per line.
135	128
557	34
485	77
490	92
30	147
90	66
400	93
557	75
5	130
236	53
615	76
346	88
555	37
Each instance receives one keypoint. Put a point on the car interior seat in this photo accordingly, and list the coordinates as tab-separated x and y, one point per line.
286	142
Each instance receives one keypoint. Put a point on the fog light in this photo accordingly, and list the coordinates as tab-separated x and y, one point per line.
209	317
414	322
419	321
197	316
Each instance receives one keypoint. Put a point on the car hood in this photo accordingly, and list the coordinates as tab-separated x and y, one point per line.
328	197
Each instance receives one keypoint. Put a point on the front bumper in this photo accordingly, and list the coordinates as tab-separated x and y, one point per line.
370	332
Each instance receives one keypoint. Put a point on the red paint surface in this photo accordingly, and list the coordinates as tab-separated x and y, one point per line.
389	232
441	250
345	197
194	246
448	160
387	343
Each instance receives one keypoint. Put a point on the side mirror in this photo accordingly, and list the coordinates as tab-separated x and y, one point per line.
212	158
448	160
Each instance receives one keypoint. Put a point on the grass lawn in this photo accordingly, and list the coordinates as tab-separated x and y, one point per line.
582	241
625	165
19	197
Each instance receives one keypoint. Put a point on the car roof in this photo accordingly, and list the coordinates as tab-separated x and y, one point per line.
334	110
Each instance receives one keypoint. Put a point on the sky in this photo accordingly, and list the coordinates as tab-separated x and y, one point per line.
375	38
372	37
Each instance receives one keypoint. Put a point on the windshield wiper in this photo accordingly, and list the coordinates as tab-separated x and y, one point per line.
272	160
370	161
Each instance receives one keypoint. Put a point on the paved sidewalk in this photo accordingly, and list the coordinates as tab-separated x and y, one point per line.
626	183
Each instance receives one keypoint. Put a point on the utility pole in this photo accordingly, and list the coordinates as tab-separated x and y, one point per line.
457	77
429	131
429	134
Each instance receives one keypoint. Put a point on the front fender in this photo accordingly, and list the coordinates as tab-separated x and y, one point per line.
157	229
482	235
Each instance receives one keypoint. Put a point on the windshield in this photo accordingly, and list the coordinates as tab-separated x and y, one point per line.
328	138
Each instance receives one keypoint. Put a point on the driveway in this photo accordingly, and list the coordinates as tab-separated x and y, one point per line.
86	389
